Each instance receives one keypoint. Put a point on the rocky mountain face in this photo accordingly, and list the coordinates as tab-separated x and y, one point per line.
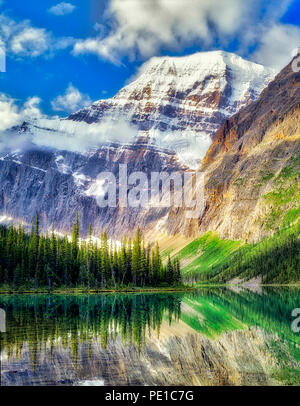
176	106
180	103
57	185
252	168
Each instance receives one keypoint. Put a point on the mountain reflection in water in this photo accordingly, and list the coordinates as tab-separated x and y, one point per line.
208	337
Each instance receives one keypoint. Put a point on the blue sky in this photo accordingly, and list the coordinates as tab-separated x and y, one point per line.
71	53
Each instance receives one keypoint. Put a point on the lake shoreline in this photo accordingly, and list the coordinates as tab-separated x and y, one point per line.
194	288
97	292
263	285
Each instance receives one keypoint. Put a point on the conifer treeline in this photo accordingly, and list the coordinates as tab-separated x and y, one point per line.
38	260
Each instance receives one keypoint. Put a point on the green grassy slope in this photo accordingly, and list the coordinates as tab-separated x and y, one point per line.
206	252
275	259
283	201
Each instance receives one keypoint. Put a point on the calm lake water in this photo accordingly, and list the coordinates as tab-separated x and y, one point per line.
208	337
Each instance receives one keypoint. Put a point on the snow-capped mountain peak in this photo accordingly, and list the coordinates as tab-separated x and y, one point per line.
185	71
180	102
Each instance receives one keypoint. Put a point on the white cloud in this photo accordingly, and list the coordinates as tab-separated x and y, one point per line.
30	42
56	133
141	28
11	114
276	45
31	108
62	9
80	136
189	146
71	101
23	40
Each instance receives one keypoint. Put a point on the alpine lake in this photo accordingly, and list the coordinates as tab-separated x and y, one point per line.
220	336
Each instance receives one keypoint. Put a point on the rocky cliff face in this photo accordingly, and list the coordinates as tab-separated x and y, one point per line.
57	185
252	168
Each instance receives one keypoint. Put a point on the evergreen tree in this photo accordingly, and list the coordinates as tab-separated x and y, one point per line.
58	261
